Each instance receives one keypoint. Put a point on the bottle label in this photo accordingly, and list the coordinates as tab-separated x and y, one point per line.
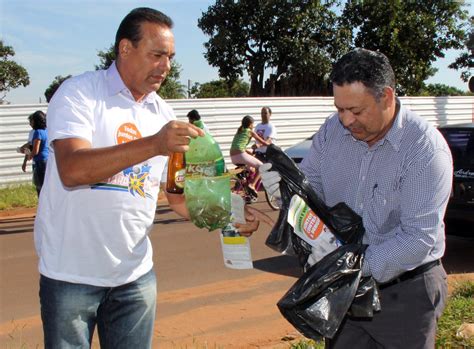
207	169
306	224
179	178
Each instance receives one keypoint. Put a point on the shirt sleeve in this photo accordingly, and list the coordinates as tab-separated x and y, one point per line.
272	132
70	112
423	199
311	164
36	135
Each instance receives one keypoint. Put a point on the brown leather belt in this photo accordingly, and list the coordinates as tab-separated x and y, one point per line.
411	274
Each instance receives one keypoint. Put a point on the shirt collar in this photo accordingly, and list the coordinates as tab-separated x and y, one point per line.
115	85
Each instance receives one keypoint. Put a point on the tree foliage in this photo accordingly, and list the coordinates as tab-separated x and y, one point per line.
171	88
466	60
106	58
12	74
58	80
294	40
413	34
438	90
220	89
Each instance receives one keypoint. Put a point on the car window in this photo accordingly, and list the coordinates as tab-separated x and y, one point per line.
461	143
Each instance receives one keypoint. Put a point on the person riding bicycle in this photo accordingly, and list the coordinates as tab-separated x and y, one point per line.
239	154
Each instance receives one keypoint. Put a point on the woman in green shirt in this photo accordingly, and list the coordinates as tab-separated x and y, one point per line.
239	154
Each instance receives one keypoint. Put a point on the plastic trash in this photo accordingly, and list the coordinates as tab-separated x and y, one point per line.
332	288
343	222
208	201
318	302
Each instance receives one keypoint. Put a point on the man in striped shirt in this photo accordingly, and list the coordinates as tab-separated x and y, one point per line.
395	170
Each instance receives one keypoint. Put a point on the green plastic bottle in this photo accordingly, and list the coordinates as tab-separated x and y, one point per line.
204	156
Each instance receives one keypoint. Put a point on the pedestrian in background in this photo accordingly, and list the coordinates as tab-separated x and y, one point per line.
195	119
267	131
38	151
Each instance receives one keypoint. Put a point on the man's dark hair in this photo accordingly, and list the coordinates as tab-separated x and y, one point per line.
130	27
38	120
371	68
193	115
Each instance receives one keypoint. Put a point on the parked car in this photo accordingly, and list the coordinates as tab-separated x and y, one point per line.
460	211
298	151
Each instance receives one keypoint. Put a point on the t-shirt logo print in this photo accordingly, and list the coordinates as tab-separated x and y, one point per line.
134	178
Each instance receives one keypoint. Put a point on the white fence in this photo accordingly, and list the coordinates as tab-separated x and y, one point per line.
295	119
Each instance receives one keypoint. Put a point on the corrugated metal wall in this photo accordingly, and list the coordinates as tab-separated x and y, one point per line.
295	119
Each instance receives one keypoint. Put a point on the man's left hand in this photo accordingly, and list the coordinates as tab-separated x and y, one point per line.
253	218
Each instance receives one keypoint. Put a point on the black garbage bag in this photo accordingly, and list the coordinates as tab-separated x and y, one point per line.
318	302
343	222
366	300
332	288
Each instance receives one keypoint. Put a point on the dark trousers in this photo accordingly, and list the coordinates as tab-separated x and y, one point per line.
39	169
408	319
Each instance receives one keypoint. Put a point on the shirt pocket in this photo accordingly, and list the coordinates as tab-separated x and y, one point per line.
384	210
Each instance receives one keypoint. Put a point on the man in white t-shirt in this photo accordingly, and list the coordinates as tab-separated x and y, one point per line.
267	131
110	134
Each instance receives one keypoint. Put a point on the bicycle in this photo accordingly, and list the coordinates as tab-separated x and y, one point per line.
243	178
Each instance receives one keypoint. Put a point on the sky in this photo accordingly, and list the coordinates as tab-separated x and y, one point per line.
62	37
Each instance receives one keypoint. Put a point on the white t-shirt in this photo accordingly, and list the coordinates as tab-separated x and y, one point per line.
265	131
98	234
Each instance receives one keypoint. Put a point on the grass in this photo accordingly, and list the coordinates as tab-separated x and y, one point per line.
16	196
308	344
459	309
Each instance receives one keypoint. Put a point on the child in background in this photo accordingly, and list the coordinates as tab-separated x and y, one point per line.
239	154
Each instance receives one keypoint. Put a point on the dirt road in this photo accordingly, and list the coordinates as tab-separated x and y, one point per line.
201	304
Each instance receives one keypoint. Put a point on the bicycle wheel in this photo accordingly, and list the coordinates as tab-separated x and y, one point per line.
240	187
272	201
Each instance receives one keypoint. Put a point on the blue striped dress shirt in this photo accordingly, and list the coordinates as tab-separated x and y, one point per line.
400	186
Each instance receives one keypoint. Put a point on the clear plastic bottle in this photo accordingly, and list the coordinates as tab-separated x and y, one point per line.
204	156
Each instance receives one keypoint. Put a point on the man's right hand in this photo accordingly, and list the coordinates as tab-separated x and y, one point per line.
270	179
175	137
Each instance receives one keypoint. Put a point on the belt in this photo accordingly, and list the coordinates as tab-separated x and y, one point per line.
411	274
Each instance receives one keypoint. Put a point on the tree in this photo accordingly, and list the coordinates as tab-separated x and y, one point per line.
106	58
413	34
12	75
220	89
438	90
58	80
466	59
171	88
292	39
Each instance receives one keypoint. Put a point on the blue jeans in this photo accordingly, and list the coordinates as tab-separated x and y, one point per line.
124	315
